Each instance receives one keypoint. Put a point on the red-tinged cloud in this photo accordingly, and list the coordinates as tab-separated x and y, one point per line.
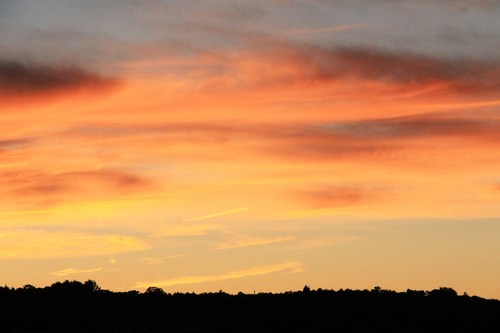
52	189
331	140
380	137
403	69
20	79
428	125
334	196
277	63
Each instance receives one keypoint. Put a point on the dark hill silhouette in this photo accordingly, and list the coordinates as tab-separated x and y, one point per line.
73	306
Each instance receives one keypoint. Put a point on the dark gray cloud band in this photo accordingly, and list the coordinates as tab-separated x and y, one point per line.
456	75
20	79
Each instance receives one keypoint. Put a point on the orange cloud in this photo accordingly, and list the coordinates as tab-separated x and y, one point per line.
341	137
334	196
48	189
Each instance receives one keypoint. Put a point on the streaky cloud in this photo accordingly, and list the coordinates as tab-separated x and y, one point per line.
334	196
329	29
253	241
232	275
419	126
234	211
46	186
16	143
178	230
325	140
158	260
456	75
69	271
276	62
38	244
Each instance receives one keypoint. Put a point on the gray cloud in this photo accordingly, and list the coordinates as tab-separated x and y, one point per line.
16	143
418	126
380	138
458	75
17	78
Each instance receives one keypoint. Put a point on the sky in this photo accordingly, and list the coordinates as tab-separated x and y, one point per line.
253	146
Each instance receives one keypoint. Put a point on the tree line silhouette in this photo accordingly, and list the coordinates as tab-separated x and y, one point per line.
73	306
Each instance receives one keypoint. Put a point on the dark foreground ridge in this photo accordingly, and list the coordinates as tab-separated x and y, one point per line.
83	307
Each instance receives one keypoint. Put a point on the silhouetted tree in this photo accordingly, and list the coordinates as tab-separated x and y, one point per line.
154	290
443	292
72	306
91	286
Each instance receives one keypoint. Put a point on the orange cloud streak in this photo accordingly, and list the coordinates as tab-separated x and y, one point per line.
232	275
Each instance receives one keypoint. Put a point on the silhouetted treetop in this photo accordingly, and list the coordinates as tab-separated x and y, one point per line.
72	306
155	290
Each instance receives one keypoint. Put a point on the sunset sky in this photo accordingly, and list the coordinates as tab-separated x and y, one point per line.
251	145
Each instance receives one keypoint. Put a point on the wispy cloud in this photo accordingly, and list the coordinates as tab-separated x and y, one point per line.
217	214
312	242
48	189
329	29
177	230
232	275
158	260
149	260
328	139
334	196
70	271
403	69
36	244
304	65
251	241
379	139
418	126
